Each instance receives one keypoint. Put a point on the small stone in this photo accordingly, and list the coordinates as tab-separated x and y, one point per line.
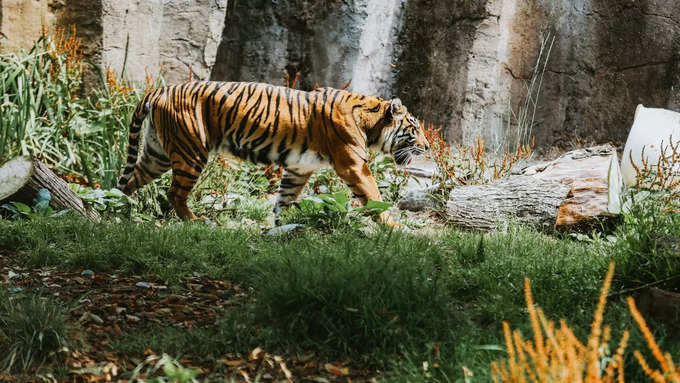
208	199
95	318
87	273
144	285
285	229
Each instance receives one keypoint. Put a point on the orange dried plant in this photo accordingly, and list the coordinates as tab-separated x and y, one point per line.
469	164
149	82
664	175
69	47
555	354
289	83
117	86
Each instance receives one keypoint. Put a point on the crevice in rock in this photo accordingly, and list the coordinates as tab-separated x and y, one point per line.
638	66
662	16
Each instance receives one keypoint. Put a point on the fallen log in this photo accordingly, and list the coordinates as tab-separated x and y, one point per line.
595	179
571	193
524	199
22	178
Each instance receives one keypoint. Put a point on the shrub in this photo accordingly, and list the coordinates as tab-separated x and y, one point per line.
647	249
44	113
32	329
556	354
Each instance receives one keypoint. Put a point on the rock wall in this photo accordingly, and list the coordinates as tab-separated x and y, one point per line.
463	64
189	35
21	21
171	37
263	40
609	56
132	36
432	69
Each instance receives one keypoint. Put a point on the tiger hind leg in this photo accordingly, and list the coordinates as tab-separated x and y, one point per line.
184	177
292	183
151	164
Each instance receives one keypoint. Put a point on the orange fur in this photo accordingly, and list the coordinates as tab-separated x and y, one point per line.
266	124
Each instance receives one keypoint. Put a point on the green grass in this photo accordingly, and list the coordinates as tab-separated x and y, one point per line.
647	249
384	300
32	328
43	112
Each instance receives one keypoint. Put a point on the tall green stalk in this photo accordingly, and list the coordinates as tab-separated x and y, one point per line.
43	113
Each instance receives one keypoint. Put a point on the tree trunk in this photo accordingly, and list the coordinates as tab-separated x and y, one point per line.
596	184
574	192
22	177
526	200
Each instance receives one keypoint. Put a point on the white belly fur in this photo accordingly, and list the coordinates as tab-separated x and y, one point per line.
306	162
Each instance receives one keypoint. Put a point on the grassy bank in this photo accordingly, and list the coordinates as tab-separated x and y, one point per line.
387	301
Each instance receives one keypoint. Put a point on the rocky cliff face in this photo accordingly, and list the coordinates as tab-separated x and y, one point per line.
167	36
173	37
610	56
328	42
460	63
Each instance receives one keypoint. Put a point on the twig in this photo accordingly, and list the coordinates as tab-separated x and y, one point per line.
651	284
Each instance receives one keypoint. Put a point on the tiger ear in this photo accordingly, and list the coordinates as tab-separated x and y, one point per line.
397	110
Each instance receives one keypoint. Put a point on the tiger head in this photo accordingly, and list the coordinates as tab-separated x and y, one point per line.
401	135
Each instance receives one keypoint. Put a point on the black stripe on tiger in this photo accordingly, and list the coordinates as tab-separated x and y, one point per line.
301	131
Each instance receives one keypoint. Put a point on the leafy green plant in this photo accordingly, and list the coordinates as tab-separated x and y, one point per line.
32	329
172	371
647	248
331	211
41	207
43	112
112	203
389	178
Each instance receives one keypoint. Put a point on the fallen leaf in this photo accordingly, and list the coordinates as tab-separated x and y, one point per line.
234	363
335	370
284	368
256	354
95	318
244	375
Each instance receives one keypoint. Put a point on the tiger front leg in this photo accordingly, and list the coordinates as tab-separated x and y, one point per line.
360	181
292	183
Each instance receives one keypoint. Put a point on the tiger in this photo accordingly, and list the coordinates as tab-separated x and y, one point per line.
301	131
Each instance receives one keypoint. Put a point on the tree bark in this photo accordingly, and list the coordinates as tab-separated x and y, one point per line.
526	200
572	193
596	184
22	177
